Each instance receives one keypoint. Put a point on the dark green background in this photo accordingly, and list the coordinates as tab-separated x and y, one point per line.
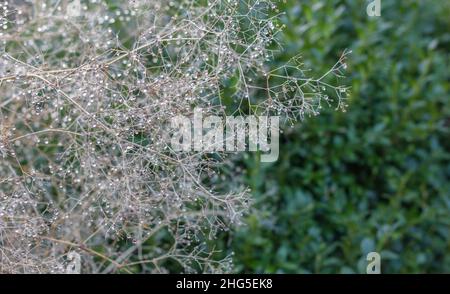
375	178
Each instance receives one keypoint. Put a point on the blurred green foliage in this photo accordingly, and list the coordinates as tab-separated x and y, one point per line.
375	178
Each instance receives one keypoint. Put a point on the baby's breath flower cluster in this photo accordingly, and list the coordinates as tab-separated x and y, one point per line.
85	101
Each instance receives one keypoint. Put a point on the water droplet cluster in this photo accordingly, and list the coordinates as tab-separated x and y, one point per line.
84	110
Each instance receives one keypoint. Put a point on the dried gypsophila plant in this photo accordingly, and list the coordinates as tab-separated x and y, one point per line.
84	102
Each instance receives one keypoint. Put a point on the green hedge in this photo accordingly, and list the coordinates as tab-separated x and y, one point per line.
375	177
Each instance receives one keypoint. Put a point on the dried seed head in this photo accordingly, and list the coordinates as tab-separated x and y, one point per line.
84	163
